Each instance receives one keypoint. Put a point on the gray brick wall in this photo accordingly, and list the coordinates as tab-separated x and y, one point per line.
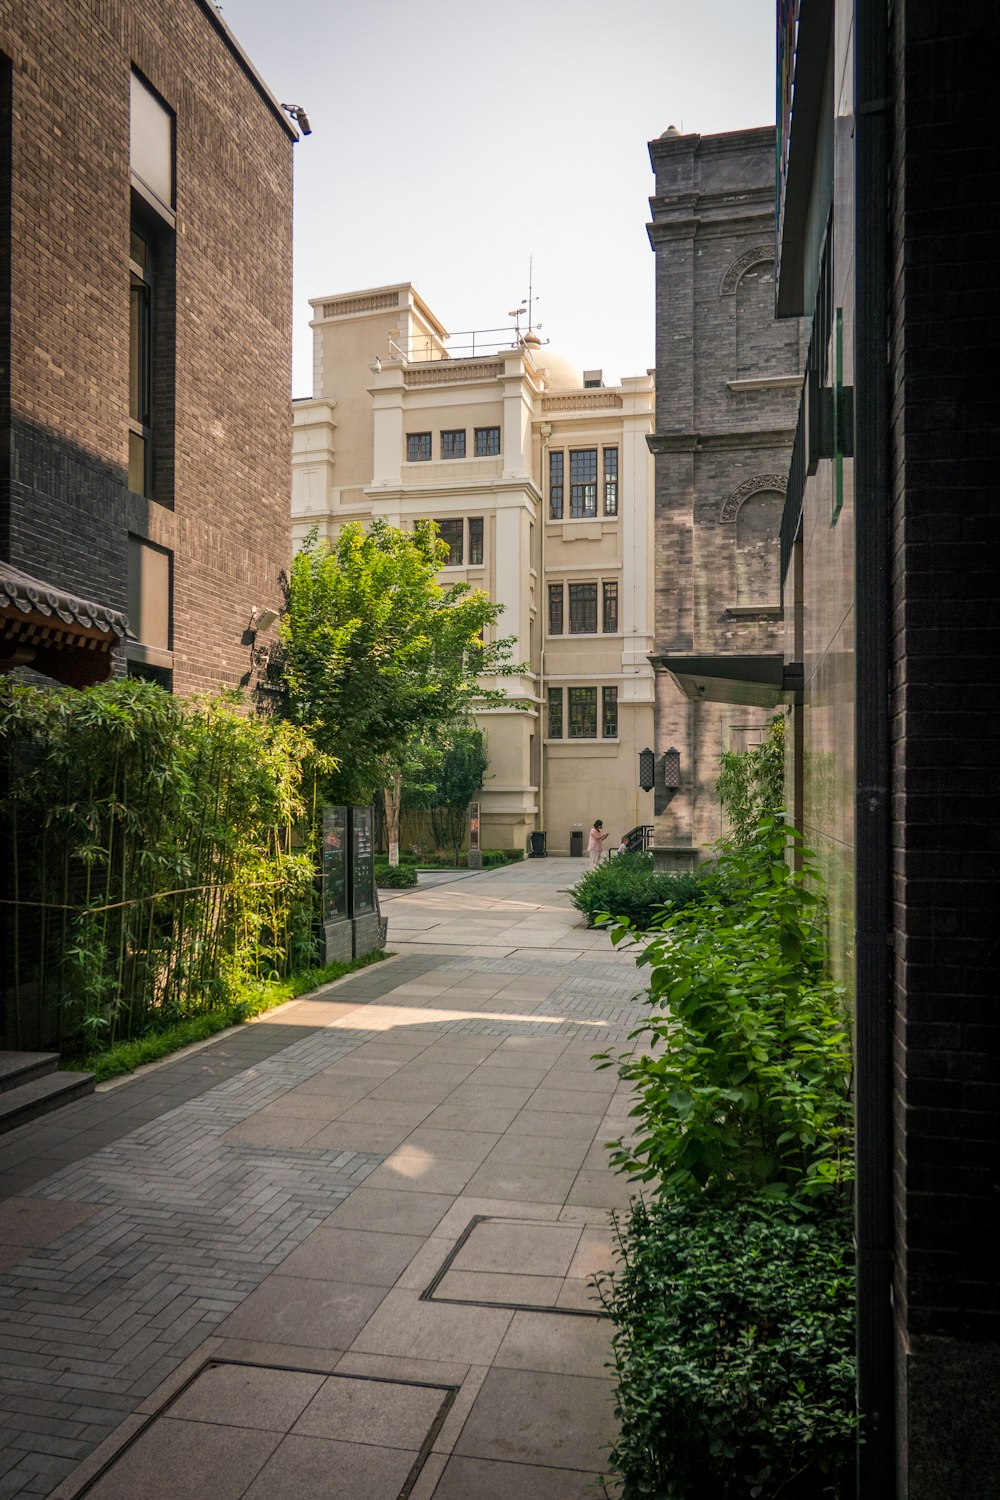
64	507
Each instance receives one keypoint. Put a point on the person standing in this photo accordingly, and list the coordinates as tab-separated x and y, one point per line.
596	844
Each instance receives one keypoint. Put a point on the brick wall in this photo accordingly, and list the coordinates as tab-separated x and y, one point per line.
946	782
66	510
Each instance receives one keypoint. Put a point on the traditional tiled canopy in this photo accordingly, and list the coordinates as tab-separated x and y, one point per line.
54	632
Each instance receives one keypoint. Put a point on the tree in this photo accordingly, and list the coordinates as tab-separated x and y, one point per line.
751	784
376	652
445	777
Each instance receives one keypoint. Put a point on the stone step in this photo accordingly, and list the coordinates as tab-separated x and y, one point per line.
40	1096
21	1067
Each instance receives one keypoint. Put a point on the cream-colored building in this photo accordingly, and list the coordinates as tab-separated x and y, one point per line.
541	482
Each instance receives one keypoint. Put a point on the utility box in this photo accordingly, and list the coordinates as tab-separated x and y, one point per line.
576	843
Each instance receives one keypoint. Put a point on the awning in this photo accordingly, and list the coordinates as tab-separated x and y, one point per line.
754	681
55	633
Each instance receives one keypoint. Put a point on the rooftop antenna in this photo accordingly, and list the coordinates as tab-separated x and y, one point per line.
531	295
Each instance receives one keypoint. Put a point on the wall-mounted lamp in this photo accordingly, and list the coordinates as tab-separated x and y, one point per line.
647	770
261	619
668	779
298	114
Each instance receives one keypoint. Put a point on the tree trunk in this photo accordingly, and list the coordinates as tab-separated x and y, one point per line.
393	796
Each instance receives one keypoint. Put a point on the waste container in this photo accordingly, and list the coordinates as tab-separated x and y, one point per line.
576	843
538	846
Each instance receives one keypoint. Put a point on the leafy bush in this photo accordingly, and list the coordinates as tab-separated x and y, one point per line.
395	877
494	859
744	1086
627	886
733	1353
751	783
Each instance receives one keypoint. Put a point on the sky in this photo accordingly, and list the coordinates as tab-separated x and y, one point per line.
455	141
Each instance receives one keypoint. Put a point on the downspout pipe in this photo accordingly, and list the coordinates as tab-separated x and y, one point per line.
873	1018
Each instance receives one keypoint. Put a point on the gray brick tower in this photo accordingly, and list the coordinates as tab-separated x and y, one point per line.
728	378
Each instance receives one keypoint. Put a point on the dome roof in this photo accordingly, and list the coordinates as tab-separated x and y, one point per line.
559	374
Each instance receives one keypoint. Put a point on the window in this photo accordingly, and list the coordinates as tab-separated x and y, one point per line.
475	541
555	609
609	713
151	295
452	533
611	481
582	713
555	486
583	609
583	482
609	612
487	441
140	364
151	142
418	447
555	713
453	444
150	591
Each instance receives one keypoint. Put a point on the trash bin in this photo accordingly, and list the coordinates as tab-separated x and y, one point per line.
576	843
538	846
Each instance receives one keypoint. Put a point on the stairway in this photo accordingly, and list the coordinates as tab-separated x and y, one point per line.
31	1085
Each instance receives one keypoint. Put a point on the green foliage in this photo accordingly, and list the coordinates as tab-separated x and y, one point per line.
254	1000
149	843
744	1083
751	784
627	886
376	651
495	859
395	877
445	776
733	1352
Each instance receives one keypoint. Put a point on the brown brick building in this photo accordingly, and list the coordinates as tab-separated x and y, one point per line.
145	324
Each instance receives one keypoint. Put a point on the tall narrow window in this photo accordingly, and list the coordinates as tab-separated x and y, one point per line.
556	486
582	713
583	482
140	365
609	713
453	443
555	713
583	609
609	607
487	442
611	481
152	298
475	541
418	447
451	532
555	609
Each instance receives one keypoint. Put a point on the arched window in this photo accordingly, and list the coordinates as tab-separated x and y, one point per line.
758	522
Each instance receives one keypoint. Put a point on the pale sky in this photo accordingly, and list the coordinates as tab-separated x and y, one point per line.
454	139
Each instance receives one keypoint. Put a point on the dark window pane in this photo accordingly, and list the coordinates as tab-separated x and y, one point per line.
487	441
453	444
555	713
451	532
610	621
555	609
609	712
583	482
611	481
475	541
418	447
556	486
140	343
583	713
583	609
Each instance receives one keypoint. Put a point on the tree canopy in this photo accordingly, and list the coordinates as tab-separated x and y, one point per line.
377	650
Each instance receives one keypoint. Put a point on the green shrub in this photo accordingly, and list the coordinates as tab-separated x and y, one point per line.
396	877
627	886
733	1353
744	1086
494	859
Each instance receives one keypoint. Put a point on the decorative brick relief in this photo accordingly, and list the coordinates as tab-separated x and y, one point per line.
751	486
742	264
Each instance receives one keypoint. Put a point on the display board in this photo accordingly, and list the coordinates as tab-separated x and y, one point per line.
362	861
335	851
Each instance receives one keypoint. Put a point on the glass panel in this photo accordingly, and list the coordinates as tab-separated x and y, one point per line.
151	141
451	532
149	593
611	481
609	706
555	713
555	609
138	353
487	441
418	447
139	250
583	713
137	466
583	609
610	610
453	444
583	482
475	541
556	486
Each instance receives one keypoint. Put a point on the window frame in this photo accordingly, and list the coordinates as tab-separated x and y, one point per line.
609	606
451	522
586	703
555	700
557	487
479	522
414	441
589	604
583	489
610	480
487	435
609	711
557	615
141	355
452	438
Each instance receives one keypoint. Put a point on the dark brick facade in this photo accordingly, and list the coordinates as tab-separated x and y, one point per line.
727	377
222	494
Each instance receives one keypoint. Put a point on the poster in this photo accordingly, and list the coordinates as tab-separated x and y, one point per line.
334	863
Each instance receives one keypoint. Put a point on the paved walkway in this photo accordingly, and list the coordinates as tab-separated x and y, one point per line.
343	1251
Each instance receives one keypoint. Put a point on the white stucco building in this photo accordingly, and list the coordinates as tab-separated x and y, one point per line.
542	484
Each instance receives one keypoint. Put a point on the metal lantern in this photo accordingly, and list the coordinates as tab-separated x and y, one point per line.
647	769
672	768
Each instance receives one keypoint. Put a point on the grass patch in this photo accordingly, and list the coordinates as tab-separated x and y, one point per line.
255	1000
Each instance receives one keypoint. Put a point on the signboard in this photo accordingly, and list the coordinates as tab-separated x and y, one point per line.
362	861
334	863
473	825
